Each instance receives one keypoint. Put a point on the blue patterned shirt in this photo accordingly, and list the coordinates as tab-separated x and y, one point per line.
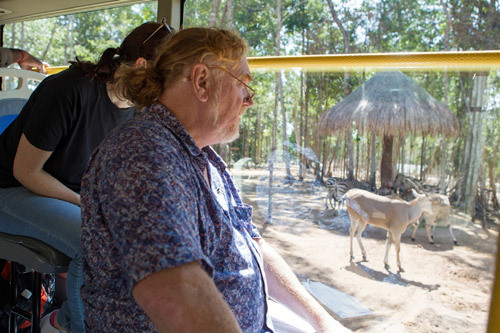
146	207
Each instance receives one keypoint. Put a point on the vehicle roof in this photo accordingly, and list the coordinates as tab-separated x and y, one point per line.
12	11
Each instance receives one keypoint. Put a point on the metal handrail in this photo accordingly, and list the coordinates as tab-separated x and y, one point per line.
455	60
411	61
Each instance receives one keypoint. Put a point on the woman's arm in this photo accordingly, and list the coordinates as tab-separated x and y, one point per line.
28	170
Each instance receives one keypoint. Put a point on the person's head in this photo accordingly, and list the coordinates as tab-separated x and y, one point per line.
209	46
139	45
214	55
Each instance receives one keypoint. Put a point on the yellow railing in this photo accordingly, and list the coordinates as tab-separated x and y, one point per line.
55	69
470	60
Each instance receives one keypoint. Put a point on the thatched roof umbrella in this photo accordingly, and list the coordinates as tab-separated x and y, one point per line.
389	104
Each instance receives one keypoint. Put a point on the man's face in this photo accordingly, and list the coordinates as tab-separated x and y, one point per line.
231	101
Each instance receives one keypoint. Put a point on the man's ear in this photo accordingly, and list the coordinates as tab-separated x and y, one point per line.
199	81
141	62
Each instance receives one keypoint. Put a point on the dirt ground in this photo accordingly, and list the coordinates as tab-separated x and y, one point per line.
445	288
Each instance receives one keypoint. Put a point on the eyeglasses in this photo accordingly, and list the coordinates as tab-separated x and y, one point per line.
250	90
163	24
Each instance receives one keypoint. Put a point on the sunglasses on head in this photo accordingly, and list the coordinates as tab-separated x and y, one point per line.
163	24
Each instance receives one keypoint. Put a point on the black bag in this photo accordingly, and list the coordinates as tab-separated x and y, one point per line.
25	286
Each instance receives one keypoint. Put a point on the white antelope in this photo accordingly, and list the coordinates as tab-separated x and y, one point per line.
441	209
392	215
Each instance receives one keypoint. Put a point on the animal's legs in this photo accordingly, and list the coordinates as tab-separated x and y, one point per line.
397	242
415	227
388	243
352	230
452	235
446	218
361	227
429	223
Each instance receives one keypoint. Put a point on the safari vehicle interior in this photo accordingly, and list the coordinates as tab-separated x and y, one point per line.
16	11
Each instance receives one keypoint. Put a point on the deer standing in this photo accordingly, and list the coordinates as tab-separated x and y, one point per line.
392	215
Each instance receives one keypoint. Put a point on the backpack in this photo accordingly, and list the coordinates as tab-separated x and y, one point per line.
24	286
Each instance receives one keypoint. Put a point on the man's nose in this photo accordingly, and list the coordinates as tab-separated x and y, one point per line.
248	101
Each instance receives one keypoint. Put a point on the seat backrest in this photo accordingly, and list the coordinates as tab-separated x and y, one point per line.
15	93
26	82
33	254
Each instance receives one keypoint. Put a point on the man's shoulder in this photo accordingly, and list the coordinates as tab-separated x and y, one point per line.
145	139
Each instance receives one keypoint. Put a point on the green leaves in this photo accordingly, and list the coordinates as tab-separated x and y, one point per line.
58	40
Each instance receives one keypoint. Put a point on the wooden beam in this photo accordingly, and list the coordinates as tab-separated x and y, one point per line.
171	10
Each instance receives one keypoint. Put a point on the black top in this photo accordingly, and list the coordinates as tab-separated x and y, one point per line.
68	114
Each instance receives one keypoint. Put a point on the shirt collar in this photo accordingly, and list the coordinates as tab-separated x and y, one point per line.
170	121
162	114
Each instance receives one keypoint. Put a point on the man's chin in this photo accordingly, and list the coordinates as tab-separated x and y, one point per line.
231	135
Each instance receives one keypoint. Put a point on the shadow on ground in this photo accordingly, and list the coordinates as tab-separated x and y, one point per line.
389	277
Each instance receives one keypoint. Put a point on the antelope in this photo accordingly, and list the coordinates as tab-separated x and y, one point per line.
441	209
392	215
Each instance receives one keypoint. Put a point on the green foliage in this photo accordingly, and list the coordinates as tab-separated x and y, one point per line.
85	35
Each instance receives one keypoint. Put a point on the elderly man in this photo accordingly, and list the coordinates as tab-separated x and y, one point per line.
168	244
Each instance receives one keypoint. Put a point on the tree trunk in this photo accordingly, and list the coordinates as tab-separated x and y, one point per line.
373	162
302	159
246	147
301	130
395	157
306	120
223	149
356	168
444	146
13	36
275	114
286	158
491	176
336	149
483	198
350	155
273	151
212	18
21	45
69	47
296	128
422	159
402	154
347	88
368	156
410	167
271	160
258	140
227	15
476	145
325	159
442	165
279	85
317	138
52	34
386	163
